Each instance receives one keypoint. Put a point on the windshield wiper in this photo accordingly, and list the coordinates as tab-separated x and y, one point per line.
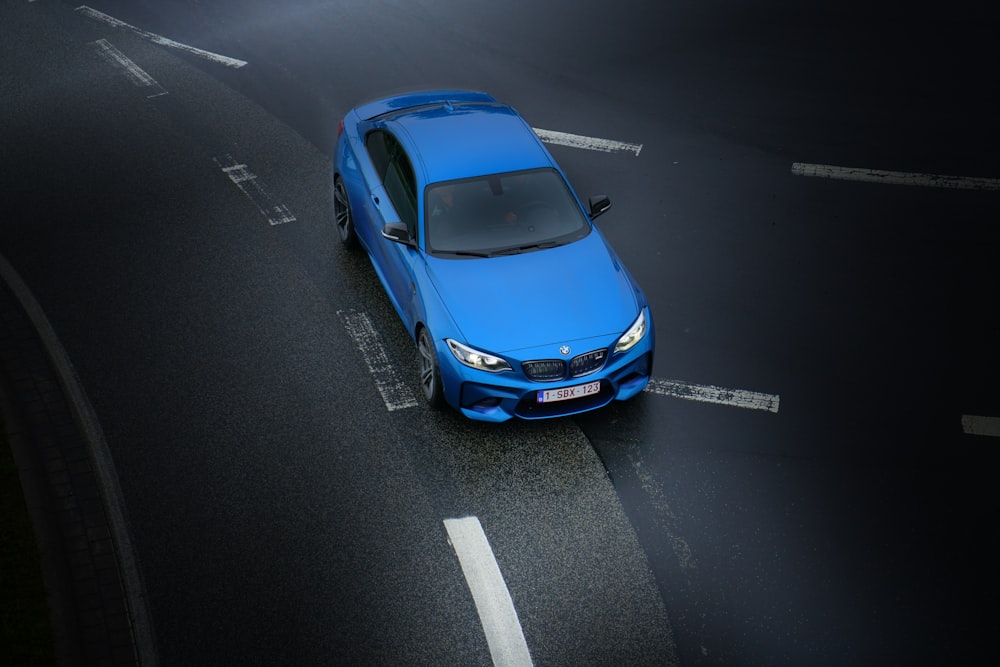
464	253
517	250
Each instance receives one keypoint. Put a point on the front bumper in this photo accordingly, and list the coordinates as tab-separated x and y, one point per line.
506	395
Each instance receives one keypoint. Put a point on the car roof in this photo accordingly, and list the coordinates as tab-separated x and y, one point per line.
465	139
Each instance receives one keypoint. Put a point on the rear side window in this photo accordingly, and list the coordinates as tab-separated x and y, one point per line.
378	150
396	171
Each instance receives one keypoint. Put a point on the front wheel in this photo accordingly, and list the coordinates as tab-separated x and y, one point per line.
430	374
342	214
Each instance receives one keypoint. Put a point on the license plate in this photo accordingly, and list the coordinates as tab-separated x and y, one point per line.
566	393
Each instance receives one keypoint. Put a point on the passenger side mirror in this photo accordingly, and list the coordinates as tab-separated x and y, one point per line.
397	231
598	205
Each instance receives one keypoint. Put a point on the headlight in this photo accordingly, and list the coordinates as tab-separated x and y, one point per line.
476	359
634	333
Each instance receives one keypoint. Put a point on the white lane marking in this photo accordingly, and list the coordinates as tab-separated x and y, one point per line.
157	39
589	143
251	186
740	398
133	72
894	177
394	391
977	425
397	395
489	591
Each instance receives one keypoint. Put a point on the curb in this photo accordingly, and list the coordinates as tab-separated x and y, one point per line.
72	489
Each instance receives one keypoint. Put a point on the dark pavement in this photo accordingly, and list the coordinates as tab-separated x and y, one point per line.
850	528
68	477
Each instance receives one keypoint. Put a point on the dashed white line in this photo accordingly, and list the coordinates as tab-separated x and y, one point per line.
739	398
894	177
395	393
588	143
979	425
157	39
489	591
251	186
133	72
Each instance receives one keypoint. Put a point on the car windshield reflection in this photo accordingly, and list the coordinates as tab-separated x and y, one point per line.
501	214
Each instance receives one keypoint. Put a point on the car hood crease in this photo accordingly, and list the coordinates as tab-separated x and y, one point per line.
537	298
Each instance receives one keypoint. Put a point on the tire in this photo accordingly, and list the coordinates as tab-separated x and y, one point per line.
430	372
342	217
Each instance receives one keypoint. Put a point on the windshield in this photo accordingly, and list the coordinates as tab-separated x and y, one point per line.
502	214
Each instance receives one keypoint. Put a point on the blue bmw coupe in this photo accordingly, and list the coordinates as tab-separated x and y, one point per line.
516	302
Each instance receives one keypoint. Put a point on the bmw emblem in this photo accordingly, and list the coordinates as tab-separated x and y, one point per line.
564	350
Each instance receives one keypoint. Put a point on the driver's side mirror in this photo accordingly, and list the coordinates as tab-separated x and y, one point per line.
599	204
397	231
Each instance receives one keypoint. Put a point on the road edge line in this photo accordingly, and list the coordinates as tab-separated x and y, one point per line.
494	605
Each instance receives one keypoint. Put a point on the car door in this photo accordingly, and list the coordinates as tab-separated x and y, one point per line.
373	171
395	200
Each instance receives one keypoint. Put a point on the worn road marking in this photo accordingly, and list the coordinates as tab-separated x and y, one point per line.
239	174
489	591
133	72
589	143
895	177
395	393
661	506
977	425
157	39
740	398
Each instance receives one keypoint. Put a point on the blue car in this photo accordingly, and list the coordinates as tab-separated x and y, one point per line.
517	304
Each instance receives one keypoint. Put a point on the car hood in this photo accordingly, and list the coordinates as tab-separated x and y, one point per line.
552	296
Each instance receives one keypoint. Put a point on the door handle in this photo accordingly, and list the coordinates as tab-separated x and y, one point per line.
375	199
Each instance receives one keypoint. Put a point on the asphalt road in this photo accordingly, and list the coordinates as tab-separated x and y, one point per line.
282	513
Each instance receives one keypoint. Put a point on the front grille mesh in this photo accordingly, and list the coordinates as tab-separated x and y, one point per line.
587	363
550	370
545	370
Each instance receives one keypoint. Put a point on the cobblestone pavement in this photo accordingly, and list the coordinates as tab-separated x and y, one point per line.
93	623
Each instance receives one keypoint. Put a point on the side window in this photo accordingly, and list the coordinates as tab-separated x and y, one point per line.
394	168
401	186
378	150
